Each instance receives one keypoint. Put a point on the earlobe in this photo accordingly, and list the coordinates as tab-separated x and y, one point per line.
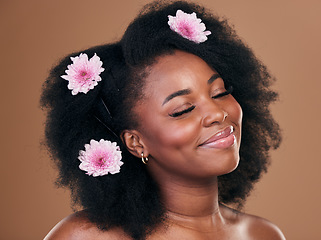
134	143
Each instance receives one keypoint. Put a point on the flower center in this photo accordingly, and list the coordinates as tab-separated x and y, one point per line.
101	162
186	30
84	75
104	161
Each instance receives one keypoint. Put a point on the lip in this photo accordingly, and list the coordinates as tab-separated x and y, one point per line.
222	139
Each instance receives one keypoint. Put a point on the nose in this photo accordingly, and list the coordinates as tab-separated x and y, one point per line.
213	114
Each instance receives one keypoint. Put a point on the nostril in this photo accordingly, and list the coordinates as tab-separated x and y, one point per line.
225	115
213	117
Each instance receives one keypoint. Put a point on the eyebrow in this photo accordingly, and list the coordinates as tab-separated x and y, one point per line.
176	94
188	91
213	78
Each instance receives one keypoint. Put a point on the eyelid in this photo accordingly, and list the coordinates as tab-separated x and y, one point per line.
191	108
177	114
226	92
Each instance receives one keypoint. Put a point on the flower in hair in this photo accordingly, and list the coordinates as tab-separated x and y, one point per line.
83	74
100	158
188	26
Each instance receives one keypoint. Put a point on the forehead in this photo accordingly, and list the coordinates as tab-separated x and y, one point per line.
176	71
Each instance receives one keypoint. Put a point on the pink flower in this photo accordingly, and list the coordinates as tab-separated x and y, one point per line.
82	74
100	158
188	26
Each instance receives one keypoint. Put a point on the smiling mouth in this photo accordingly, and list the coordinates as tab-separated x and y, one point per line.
222	139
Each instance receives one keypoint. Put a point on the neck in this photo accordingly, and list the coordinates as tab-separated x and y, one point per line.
191	200
193	206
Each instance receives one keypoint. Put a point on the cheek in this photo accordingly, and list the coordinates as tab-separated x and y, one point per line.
182	133
236	114
235	111
172	134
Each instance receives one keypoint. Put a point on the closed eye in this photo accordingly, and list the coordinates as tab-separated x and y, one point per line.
227	92
187	110
177	114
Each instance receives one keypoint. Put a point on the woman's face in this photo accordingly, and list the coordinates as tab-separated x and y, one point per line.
189	127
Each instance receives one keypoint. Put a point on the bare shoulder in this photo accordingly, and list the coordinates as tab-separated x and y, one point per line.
77	227
253	227
260	228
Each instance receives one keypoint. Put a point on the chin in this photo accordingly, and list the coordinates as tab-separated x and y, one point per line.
227	165
232	167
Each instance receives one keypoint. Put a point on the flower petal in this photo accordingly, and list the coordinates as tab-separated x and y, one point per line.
83	74
100	158
188	26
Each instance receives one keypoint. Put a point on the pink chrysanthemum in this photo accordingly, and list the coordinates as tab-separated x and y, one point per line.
188	26
82	74
100	158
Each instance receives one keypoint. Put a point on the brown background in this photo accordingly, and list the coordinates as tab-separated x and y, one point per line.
285	34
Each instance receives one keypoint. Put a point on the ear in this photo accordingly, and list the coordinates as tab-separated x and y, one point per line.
134	143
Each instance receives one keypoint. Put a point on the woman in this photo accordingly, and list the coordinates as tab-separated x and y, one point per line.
147	135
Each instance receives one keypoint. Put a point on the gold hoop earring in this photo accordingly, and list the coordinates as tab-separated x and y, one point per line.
144	159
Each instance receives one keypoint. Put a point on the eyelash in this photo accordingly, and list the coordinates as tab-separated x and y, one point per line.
227	92
177	114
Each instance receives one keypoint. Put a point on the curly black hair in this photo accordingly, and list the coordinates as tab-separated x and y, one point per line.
131	198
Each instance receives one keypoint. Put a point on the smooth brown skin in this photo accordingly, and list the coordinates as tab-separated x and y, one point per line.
185	171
